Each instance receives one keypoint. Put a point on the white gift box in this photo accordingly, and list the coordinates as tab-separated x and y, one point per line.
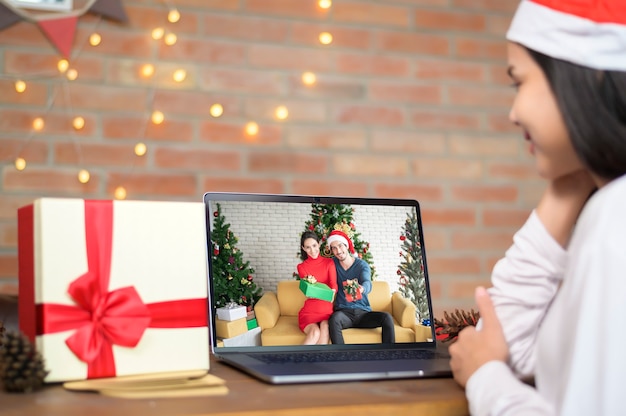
251	338
231	313
114	288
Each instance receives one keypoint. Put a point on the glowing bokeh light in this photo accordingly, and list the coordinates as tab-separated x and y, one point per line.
216	110
83	176
140	149
20	163
326	38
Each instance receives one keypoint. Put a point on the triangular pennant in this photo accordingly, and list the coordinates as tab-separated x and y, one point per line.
7	17
112	9
60	32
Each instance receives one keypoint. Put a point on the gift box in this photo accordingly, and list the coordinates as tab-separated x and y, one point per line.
316	290
231	312
250	338
114	288
351	289
252	323
229	329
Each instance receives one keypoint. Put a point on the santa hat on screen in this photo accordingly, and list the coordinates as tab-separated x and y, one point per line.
588	33
342	237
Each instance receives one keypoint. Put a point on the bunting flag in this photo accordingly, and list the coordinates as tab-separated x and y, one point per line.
60	32
60	27
7	17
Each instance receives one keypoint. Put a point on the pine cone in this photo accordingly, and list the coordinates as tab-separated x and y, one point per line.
451	325
21	367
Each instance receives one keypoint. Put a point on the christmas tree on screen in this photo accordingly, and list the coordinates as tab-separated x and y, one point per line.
411	270
328	217
233	280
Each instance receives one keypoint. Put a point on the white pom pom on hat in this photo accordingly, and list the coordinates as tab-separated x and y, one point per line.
590	33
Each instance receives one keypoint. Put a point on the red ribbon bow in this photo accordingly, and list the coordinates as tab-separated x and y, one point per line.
102	318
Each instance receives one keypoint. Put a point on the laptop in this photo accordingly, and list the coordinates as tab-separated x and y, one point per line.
264	233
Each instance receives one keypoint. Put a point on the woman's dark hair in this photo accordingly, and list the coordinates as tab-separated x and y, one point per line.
306	235
593	106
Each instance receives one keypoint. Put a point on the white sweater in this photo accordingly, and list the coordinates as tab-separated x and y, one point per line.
572	339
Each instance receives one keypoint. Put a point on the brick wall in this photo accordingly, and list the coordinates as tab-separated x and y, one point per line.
411	100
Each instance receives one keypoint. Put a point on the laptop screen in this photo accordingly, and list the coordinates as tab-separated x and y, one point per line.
254	250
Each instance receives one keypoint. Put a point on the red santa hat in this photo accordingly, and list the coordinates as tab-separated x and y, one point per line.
588	33
342	237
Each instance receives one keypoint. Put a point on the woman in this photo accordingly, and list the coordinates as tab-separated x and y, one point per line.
313	317
558	292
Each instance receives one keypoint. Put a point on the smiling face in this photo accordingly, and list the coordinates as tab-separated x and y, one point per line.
311	247
535	110
340	250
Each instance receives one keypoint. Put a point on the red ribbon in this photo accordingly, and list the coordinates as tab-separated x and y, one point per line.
102	318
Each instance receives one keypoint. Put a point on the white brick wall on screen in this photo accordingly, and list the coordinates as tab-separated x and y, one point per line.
269	237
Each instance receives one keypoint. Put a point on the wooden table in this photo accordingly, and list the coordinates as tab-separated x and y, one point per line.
249	397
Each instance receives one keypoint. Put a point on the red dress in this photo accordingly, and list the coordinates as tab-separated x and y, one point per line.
317	310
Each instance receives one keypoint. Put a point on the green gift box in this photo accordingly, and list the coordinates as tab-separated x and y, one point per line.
252	323
316	290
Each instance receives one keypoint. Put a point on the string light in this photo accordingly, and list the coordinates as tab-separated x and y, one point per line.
20	86
71	74
326	38
216	110
62	65
308	78
157	117
170	39
120	192
179	75
140	149
281	112
325	4
147	70
83	176
20	163
95	39
252	129
158	33
173	16
38	124
78	123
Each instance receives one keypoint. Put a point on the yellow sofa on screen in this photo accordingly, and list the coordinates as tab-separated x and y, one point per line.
277	315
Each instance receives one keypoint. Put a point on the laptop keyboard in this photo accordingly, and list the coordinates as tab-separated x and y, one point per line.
333	356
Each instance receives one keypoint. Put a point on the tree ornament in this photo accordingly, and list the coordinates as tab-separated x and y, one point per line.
21	367
448	328
411	270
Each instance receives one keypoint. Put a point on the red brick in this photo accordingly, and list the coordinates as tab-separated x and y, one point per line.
482	146
367	114
23	33
402	92
194	103
49	181
484	193
445	20
449	216
500	123
498	25
512	170
480	48
287	163
33	151
453	265
55	122
308	34
211	4
285	58
505	6
366	64
417	142
141	129
299	110
370	13
481	240
450	70
306	9
243	184
447	168
36	93
43	68
435	239
370	165
329	188
102	98
204	51
233	134
505	217
8	265
325	138
327	88
465	288
97	154
253	29
412	43
409	191
445	119
10	203
145	184
196	159
479	96
148	18
243	81
8	235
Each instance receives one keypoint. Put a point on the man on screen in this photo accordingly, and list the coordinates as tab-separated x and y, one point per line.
354	280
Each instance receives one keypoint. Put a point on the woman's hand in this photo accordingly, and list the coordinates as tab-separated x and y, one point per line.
473	347
562	202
